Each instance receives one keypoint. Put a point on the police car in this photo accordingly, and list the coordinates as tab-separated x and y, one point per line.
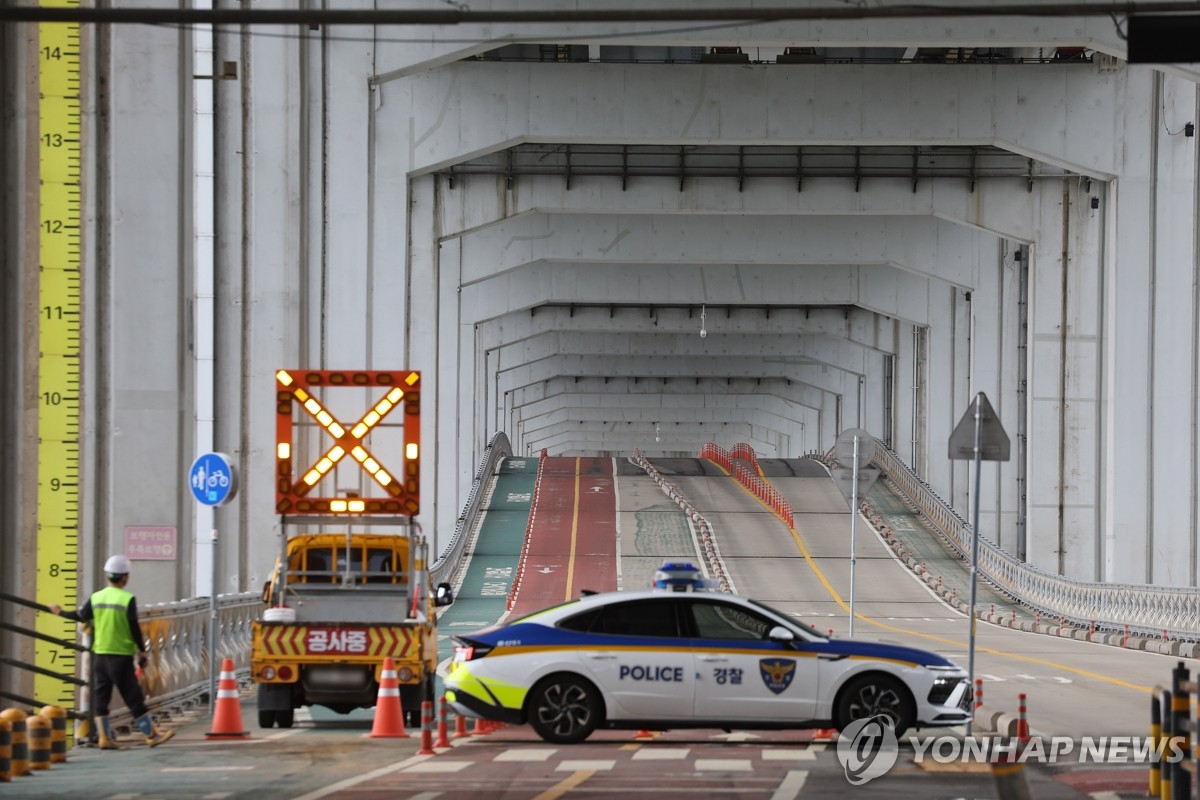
676	657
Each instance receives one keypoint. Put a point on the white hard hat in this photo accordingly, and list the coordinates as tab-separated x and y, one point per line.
116	565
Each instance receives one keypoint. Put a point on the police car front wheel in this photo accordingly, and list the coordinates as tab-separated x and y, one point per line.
873	695
564	709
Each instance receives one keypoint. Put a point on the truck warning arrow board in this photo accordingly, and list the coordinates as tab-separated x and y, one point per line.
298	407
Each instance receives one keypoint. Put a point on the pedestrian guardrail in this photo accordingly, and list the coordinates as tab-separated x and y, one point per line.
177	676
1153	612
445	568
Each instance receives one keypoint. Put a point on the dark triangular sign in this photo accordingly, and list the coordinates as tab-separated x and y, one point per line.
993	441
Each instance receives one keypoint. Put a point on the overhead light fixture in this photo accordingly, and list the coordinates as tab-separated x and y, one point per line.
703	330
657	437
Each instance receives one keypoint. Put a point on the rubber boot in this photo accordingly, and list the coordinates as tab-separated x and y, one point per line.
104	731
154	735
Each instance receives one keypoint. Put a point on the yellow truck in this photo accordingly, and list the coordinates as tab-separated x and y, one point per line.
337	605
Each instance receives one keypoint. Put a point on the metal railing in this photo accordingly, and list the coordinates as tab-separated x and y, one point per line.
1140	609
443	569
176	634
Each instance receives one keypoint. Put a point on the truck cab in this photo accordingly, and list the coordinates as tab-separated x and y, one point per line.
336	606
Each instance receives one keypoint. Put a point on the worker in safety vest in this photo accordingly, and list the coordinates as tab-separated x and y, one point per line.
116	642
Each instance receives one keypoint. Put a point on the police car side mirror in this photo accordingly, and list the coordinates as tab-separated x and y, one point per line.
781	634
443	595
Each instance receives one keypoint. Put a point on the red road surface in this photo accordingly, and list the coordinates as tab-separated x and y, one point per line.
573	542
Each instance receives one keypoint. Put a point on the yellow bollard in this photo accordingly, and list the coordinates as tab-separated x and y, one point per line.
39	741
1168	733
1155	738
5	750
20	747
58	732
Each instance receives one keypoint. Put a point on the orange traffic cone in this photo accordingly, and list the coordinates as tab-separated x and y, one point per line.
227	716
825	735
389	716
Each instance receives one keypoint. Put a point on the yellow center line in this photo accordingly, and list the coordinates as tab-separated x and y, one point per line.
837	598
565	785
574	533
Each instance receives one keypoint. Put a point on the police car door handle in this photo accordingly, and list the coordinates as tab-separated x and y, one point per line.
714	658
599	656
831	656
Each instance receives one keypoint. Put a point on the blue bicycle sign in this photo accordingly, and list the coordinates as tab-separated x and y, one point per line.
213	479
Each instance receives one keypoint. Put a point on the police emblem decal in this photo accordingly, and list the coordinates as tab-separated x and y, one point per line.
777	673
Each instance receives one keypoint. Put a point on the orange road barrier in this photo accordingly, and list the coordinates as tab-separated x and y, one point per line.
443	738
39	742
227	715
58	732
979	692
1022	722
426	729
389	716
460	727
6	771
20	746
644	734
825	735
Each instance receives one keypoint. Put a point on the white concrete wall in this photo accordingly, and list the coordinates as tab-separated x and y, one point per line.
338	247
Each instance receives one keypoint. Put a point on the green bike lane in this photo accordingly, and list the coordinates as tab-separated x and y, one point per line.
492	558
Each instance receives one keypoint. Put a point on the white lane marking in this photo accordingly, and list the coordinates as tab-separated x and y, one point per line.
348	782
283	734
661	753
425	796
206	769
789	788
724	764
526	754
585	765
788	754
439	765
216	796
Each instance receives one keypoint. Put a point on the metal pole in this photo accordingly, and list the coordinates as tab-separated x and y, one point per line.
974	548
853	529
212	630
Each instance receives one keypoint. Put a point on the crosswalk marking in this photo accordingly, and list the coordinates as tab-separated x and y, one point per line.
526	754
586	765
723	764
439	765
661	753
788	754
789	788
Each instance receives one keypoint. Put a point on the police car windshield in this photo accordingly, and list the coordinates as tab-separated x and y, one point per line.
809	629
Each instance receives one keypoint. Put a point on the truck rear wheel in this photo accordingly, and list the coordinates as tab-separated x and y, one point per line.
266	718
285	718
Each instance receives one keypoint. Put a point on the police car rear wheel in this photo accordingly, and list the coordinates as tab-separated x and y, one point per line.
875	695
564	709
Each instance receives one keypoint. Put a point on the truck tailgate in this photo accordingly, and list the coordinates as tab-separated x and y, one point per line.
302	641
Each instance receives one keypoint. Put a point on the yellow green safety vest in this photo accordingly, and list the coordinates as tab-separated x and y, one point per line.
110	618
